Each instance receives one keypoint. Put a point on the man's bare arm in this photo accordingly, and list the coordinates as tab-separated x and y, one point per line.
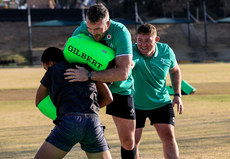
105	97
42	92
119	72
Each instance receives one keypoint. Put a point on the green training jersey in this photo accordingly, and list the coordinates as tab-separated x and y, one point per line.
150	77
119	39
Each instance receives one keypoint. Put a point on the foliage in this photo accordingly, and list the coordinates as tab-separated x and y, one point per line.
174	8
150	8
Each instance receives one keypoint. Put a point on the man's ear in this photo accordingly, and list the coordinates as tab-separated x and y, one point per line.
157	39
108	23
51	63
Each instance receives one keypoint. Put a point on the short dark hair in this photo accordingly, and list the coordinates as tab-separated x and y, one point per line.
147	29
96	12
52	54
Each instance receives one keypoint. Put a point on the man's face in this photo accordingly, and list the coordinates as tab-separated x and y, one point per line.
98	29
146	44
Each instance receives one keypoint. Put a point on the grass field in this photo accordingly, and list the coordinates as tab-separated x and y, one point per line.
202	132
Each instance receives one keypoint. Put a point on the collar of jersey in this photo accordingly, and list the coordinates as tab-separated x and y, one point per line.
156	51
109	32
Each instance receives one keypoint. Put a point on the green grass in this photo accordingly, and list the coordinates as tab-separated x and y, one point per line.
202	131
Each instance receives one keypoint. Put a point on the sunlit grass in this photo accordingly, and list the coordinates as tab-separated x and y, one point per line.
202	131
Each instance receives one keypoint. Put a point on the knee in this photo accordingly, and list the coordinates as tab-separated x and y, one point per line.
168	139
128	142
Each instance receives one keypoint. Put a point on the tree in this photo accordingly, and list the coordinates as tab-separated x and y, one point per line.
172	6
226	7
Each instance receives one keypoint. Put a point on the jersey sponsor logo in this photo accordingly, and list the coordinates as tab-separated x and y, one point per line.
163	61
84	56
109	36
111	45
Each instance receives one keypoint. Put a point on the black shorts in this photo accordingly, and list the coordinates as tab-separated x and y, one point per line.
122	107
163	114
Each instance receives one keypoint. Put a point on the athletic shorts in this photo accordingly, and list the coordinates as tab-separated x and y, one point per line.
85	129
163	114
122	107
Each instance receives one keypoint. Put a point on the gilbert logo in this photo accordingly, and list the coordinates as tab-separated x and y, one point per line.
84	56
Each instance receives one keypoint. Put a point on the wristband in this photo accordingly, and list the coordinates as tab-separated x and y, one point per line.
177	94
89	76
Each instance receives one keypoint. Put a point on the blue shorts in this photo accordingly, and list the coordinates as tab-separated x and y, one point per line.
163	114
85	129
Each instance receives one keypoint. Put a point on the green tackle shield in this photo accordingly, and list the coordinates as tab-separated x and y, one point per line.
47	108
85	50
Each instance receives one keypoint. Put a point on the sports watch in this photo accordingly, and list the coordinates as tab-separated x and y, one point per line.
178	94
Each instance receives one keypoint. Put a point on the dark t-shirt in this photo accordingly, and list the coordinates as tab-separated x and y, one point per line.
67	96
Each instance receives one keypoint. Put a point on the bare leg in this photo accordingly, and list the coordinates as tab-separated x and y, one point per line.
138	134
100	155
126	132
167	136
49	151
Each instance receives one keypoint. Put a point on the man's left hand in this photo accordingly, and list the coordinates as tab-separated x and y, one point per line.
177	100
76	75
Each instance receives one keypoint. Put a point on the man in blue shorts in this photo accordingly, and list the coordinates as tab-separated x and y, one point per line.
99	26
152	61
77	111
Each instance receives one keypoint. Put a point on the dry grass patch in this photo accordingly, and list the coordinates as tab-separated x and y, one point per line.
202	132
20	78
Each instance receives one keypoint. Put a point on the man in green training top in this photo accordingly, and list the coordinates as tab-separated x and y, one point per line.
152	62
99	26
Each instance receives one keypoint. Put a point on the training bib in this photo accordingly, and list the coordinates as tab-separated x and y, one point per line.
85	50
